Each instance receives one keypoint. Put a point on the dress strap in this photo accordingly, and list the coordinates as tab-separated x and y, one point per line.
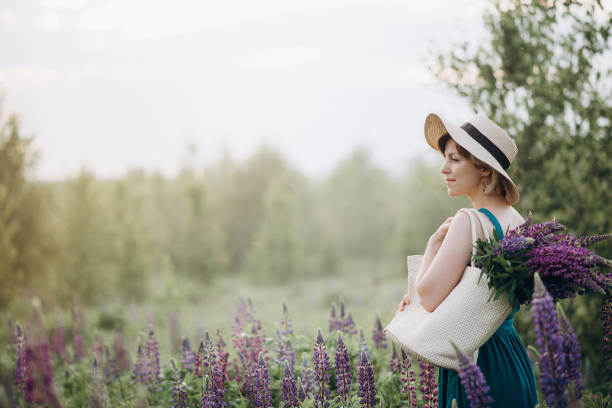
498	227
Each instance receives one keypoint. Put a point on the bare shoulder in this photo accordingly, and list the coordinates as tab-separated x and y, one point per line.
518	218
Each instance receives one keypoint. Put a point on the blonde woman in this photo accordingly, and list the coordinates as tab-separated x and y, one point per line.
476	156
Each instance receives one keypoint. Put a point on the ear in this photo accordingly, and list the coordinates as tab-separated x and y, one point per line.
485	172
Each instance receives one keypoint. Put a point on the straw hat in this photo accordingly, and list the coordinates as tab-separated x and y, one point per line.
481	137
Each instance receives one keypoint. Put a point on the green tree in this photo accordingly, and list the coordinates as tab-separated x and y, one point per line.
238	201
86	271
278	250
544	75
25	242
354	207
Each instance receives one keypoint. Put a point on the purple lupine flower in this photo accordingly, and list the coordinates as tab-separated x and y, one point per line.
367	388
278	347
98	396
59	339
408	378
179	395
289	389
394	362
152	355
307	377
343	369
122	358
218	377
473	380
98	349
208	397
256	344
606	319
39	375
287	325
220	344
263	396
290	354
301	394
110	367
553	369
378	335
566	266
428	384
139	374
20	361
248	378
187	356
590	240
77	345
571	349
210	356
518	243
199	358
349	325
363	344
320	361
333	320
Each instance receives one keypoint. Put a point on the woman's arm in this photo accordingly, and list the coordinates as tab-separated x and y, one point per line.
446	263
433	245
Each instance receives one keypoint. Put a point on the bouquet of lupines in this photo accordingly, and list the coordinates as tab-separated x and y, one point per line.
563	261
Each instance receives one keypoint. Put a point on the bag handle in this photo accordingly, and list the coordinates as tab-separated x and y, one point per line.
479	218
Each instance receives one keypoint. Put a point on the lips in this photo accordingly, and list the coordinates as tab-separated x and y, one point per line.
449	180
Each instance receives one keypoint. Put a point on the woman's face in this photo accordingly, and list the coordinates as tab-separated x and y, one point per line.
461	176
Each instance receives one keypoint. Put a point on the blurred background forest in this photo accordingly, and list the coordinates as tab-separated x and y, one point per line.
149	244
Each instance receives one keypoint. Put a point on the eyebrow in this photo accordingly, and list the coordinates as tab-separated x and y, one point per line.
448	154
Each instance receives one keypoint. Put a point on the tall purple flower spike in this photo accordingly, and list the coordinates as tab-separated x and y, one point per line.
263	396
571	349
289	394
179	393
139	374
187	356
20	361
307	377
378	335
321	372
408	378
286	323
367	387
152	354
334	322
429	388
473	380
343	370
553	365
394	361
363	344
606	320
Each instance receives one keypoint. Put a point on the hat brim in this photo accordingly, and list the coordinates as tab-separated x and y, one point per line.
436	127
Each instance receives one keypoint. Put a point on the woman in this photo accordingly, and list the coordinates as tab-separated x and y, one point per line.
476	156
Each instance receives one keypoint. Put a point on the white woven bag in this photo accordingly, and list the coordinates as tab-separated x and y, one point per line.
464	316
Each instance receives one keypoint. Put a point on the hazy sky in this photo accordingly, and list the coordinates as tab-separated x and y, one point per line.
115	84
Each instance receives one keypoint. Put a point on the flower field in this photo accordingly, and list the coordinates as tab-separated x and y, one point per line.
343	365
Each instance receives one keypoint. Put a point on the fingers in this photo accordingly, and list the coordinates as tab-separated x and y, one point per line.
405	301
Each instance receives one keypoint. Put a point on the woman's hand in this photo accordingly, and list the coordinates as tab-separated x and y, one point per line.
405	301
438	236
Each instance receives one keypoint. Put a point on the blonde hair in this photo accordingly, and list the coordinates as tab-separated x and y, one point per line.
497	184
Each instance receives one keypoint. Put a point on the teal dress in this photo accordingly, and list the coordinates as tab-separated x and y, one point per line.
504	362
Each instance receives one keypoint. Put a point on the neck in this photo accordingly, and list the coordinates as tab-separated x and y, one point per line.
482	200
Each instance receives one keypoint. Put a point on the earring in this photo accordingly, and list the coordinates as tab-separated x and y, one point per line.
484	185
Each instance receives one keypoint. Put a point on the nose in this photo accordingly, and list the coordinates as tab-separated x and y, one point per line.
444	169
